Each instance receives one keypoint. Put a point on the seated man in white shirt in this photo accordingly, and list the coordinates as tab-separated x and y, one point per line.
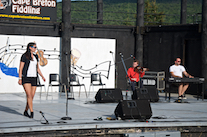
178	70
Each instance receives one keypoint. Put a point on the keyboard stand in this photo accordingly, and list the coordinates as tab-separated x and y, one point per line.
169	86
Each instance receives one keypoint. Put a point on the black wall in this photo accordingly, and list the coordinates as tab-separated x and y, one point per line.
9	27
162	44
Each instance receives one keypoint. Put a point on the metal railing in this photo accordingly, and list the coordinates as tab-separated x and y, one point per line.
169	19
89	16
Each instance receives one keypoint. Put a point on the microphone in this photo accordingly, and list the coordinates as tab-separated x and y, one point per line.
41	112
120	54
110	52
131	56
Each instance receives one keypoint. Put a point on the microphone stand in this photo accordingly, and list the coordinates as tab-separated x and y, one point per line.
124	65
116	72
124	69
44	118
68	84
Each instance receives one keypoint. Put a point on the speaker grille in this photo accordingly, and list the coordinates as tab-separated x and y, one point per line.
109	95
133	109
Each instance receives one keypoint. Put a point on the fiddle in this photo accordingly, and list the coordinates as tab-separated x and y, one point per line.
43	61
138	69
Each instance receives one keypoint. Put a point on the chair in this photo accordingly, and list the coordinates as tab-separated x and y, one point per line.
40	85
74	82
54	80
97	79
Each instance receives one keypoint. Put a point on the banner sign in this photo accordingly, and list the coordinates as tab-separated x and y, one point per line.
41	10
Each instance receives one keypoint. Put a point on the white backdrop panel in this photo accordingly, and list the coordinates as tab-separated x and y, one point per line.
9	84
94	51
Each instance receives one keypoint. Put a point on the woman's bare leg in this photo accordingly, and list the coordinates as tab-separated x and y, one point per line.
28	90
33	91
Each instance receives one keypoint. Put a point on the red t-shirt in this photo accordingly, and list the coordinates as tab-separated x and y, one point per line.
132	74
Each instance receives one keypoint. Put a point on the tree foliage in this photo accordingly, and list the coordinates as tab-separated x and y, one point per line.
123	12
152	15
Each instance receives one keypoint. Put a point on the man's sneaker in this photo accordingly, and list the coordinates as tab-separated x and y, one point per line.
184	97
180	97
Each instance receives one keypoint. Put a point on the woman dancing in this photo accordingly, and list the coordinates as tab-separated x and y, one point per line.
28	71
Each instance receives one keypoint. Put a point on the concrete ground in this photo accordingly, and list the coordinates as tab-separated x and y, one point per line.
83	111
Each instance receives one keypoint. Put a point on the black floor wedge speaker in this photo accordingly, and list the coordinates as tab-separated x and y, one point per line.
141	94
109	95
134	109
153	93
147	93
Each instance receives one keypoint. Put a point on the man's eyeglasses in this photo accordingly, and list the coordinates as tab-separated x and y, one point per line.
33	47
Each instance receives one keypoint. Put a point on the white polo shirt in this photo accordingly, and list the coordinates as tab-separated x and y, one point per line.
177	70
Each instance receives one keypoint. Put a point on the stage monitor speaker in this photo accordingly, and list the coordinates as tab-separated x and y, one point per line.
147	93
109	95
141	93
134	109
153	93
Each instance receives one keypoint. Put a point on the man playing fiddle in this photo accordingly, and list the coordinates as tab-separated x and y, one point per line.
134	73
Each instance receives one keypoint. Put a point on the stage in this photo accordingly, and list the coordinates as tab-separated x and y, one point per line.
188	118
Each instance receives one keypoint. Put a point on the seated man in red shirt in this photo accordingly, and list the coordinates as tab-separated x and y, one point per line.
135	75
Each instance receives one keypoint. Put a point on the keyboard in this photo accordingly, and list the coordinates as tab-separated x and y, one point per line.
186	80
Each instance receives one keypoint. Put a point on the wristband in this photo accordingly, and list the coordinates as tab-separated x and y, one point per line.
20	78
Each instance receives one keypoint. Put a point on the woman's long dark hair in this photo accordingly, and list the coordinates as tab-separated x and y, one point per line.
28	52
